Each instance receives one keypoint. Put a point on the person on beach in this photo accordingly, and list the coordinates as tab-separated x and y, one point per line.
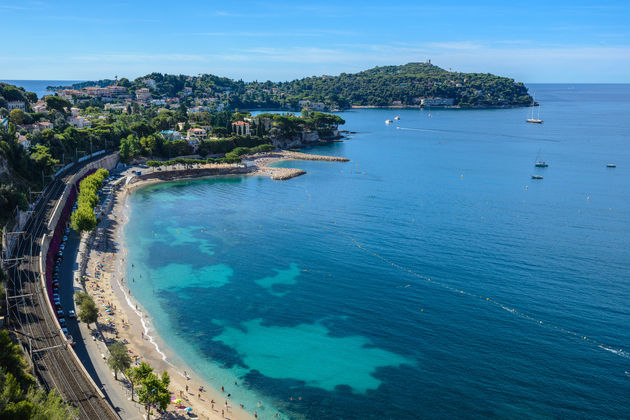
222	413
222	389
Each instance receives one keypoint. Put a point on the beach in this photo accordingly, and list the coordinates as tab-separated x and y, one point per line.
121	318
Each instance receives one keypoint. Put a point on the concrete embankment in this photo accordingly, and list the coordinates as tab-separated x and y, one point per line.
167	174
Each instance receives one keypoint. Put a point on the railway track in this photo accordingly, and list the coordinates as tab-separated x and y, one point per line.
35	325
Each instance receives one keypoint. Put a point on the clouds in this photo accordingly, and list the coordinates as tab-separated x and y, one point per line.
287	40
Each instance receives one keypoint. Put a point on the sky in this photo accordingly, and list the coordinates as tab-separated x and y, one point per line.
550	41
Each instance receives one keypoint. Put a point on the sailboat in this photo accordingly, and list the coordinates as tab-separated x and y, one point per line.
531	119
540	163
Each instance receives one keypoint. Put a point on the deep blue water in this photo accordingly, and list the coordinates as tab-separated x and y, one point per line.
319	286
39	86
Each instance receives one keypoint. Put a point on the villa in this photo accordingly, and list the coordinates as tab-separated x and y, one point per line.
241	128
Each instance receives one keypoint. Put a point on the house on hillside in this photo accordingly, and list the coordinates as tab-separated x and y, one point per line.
79	122
196	133
40	106
24	142
11	105
241	128
143	94
171	135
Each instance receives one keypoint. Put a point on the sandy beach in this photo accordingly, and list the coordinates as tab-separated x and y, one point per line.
122	318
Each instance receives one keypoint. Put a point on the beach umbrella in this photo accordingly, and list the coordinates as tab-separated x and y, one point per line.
189	409
177	401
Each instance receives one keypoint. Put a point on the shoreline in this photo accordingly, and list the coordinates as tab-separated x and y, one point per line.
106	272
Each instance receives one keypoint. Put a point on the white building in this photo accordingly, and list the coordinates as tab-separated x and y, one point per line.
241	128
79	122
40	106
143	94
24	142
196	133
115	107
11	105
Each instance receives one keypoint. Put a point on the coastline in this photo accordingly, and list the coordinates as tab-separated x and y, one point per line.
106	274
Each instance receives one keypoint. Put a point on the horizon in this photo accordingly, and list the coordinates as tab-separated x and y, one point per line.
567	42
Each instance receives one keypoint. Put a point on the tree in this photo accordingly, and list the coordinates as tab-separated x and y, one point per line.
154	390
79	296
83	219
56	103
42	157
12	361
17	116
118	359
138	374
88	312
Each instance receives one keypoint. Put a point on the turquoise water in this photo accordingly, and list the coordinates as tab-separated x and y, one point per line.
429	277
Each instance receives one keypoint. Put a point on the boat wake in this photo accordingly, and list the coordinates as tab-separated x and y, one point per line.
439	130
551	326
618	352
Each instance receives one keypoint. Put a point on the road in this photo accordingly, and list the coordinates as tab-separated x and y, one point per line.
33	323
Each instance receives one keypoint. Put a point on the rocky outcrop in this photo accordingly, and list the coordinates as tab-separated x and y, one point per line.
306	137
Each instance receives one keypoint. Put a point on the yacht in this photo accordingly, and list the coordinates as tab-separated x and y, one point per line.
537	177
388	121
397	117
611	165
531	119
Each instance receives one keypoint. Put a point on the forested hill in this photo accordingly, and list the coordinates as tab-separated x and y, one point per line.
404	85
10	93
409	83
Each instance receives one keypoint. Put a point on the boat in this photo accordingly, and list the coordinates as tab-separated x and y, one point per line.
537	177
397	117
388	121
539	163
533	120
611	165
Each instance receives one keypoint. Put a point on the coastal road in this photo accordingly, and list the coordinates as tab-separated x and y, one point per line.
32	322
88	350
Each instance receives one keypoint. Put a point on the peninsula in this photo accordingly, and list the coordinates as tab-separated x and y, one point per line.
409	85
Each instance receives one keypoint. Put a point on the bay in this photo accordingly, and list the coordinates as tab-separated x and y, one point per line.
429	277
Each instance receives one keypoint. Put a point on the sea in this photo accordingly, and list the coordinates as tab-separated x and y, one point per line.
429	277
39	87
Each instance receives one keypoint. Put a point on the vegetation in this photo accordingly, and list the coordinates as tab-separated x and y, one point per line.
137	375
19	398
379	86
118	359
154	391
10	93
83	218
88	312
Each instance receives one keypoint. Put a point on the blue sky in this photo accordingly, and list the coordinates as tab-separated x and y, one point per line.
531	41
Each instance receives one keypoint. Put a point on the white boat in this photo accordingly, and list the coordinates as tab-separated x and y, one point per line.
537	177
531	119
611	165
388	121
397	117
